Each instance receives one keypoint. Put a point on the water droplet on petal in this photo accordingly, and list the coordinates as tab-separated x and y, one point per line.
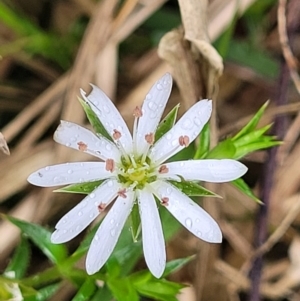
106	109
79	213
92	195
188	222
199	233
169	136
197	121
47	168
112	221
68	144
112	232
148	96
108	147
110	183
78	228
70	171
197	220
187	124
152	106
159	87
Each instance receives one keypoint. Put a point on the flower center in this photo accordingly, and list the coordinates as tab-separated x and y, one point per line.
136	172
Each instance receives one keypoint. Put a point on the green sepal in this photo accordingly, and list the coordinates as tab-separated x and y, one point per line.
41	238
135	220
241	185
204	142
20	260
86	290
94	120
84	188
193	189
224	150
176	264
167	123
250	126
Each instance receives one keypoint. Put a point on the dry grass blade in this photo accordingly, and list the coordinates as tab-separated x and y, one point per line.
3	145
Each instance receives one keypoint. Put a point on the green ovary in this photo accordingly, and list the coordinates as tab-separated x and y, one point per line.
137	173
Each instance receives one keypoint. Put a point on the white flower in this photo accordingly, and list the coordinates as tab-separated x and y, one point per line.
133	171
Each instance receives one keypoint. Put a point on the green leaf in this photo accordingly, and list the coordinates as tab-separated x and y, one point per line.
94	120
46	292
251	125
122	289
135	219
159	289
41	238
204	142
243	187
19	263
244	150
252	137
176	264
86	291
167	123
193	189
102	294
224	150
84	188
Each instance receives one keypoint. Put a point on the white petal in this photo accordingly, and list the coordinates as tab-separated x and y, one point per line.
109	116
73	135
77	219
153	238
153	107
69	173
188	213
108	233
215	171
190	124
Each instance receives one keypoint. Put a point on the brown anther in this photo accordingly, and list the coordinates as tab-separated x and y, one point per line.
101	207
184	141
122	194
165	201
163	169
137	112
110	165
82	146
117	134
149	138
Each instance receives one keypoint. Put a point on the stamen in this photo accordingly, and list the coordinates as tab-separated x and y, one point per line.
110	165
184	141
121	193
163	169
137	112
82	146
117	134
165	201
101	207
149	138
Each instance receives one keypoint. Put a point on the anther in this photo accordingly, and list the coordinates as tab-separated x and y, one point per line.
163	169
137	112
101	207
149	138
117	134
82	146
165	201
184	141
122	194
110	165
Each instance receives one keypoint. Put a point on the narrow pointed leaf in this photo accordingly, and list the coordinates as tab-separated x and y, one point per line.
224	150
123	289
46	292
41	238
241	185
167	123
204	142
250	126
20	260
86	291
175	265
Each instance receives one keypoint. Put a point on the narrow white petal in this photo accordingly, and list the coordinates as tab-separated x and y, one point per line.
69	173
108	233
79	138
153	238
188	213
77	219
190	125
109	116
153	107
215	171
